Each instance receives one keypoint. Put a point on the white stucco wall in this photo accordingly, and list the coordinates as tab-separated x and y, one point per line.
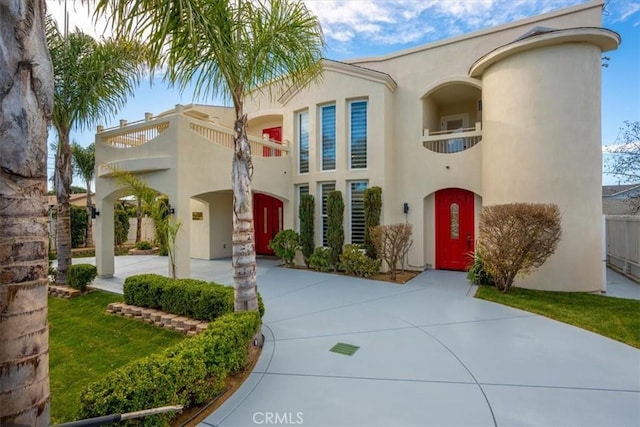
542	144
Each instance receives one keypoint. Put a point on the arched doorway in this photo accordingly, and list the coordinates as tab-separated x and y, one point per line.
455	237
267	221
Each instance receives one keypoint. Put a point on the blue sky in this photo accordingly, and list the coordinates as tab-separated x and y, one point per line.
356	28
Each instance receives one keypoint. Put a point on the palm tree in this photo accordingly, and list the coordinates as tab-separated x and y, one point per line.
26	79
229	48
84	164
92	81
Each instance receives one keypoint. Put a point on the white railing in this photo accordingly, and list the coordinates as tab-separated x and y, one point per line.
260	147
623	243
139	133
134	134
452	141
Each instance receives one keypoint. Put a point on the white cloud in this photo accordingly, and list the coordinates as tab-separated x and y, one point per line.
399	22
80	16
622	11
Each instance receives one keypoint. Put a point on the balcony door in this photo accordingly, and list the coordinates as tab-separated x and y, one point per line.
274	134
453	122
454	228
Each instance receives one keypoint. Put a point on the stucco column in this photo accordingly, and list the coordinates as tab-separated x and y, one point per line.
182	249
104	233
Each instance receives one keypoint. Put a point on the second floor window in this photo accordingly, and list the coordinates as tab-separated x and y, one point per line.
358	134
303	142
328	137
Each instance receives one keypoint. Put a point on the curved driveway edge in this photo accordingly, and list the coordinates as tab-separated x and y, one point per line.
428	355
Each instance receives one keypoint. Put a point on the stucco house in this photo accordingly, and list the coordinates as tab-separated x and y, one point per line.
505	114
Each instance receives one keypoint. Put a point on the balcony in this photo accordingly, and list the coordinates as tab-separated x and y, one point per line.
137	134
452	141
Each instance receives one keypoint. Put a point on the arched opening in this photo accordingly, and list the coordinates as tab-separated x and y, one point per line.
452	117
269	127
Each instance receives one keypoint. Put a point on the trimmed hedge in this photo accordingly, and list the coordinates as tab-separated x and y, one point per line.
80	275
189	373
193	298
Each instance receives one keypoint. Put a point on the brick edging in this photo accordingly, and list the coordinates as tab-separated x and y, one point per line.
62	291
159	318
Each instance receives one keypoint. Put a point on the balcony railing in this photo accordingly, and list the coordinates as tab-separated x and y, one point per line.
134	134
260	147
144	131
452	141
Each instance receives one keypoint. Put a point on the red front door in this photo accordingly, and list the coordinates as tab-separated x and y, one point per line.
275	134
267	221
454	228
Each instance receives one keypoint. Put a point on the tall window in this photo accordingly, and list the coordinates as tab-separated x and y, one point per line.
328	137
358	134
302	120
356	195
301	190
325	189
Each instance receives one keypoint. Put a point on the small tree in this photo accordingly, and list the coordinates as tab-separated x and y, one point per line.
84	165
307	233
284	245
372	210
120	224
624	155
392	242
172	227
517	238
79	220
335	229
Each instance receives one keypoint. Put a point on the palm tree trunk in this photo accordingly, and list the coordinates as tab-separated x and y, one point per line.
26	101
244	249
88	240
63	184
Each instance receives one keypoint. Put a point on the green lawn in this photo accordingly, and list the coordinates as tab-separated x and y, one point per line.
86	343
616	318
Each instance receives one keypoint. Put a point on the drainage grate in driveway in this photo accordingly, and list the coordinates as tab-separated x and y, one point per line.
346	349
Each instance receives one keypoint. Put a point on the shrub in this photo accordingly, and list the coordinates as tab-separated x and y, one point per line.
121	226
80	275
187	297
335	229
307	236
476	273
189	373
284	245
517	238
392	242
144	245
79	219
372	210
319	259
354	261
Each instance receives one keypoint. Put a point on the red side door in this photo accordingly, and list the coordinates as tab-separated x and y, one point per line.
275	134
267	221
454	228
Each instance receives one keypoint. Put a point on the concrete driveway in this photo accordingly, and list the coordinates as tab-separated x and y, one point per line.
429	355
